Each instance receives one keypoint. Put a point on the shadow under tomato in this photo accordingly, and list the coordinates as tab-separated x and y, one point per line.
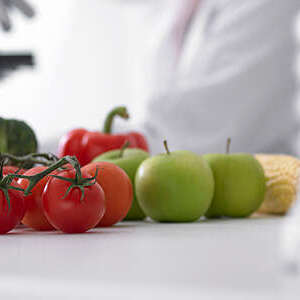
94	231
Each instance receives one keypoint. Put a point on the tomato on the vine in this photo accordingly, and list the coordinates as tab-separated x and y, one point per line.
71	204
117	188
12	170
34	216
11	213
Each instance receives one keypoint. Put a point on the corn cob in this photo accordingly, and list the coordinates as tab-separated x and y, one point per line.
282	174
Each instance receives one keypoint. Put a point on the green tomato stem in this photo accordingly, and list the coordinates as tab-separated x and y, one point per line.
5	184
120	111
77	182
34	179
45	159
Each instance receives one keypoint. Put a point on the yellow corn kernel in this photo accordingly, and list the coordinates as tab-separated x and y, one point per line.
282	174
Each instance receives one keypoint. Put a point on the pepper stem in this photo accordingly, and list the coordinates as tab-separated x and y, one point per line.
166	147
124	147
228	145
120	111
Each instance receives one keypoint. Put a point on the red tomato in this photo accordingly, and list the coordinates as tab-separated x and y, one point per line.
67	211
12	170
67	167
117	188
34	216
11	216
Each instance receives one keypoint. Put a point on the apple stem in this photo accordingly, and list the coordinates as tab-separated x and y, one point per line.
228	145
166	147
125	146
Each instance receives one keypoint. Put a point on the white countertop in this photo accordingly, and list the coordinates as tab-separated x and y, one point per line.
226	259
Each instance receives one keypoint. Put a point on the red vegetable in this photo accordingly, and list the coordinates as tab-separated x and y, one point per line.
117	188
86	145
12	169
12	207
73	203
34	216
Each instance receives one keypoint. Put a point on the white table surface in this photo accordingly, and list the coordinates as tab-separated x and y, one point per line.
220	259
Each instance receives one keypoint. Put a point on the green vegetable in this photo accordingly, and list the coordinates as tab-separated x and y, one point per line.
17	138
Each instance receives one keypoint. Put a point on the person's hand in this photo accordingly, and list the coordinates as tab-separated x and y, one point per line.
6	5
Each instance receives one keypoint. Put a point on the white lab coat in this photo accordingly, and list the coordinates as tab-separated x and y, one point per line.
224	70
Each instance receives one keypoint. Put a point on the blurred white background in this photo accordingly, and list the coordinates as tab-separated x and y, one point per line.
84	51
87	53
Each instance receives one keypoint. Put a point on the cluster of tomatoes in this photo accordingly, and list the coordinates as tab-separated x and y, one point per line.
72	200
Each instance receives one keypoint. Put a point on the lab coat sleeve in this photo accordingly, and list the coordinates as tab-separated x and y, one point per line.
237	81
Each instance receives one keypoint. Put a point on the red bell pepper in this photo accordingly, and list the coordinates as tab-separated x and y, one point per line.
86	145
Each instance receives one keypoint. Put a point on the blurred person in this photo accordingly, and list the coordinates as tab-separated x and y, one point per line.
221	68
208	69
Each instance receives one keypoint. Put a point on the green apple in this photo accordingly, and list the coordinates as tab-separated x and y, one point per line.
129	160
239	184
174	187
